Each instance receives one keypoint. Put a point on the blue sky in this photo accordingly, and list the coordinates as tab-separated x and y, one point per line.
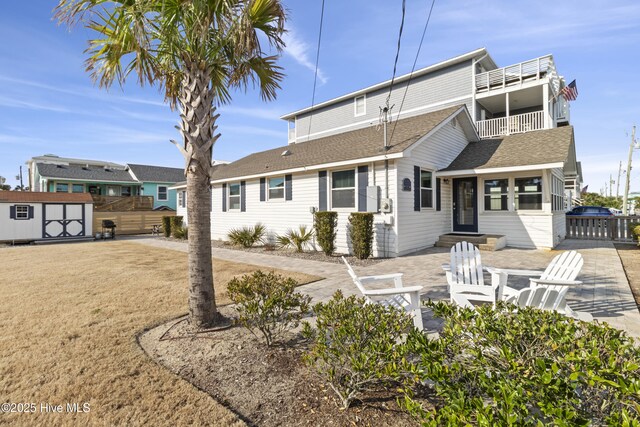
48	103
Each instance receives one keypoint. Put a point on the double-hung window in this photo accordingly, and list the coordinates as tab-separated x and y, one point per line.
496	194
276	188
426	189
343	189
359	106
528	193
234	196
162	193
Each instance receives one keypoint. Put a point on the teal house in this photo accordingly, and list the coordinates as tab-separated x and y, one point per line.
50	173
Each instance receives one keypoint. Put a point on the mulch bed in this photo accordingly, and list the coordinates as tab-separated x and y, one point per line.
264	386
630	257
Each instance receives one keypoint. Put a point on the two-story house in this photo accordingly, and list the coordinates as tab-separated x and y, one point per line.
466	147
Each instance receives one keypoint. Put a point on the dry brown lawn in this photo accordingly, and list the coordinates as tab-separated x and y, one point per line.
69	315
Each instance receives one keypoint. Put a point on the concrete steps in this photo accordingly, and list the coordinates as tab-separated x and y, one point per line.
484	242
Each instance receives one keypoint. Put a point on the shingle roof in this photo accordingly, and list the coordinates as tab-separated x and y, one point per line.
525	149
86	173
147	173
35	197
357	144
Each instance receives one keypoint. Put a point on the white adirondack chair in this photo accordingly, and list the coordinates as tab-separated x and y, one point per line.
547	297
465	275
561	272
407	298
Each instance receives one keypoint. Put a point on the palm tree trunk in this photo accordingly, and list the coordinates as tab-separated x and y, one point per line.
197	127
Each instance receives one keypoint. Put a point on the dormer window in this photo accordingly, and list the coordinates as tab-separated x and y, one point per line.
359	106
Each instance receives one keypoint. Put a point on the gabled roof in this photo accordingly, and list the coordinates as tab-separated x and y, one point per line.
84	173
36	197
52	158
147	173
478	54
543	147
354	145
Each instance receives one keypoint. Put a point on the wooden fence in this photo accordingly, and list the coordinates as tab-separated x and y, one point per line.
121	203
601	227
130	222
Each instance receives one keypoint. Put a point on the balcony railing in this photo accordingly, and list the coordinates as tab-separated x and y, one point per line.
534	69
503	126
292	134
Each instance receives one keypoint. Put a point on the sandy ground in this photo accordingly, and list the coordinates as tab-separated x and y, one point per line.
69	316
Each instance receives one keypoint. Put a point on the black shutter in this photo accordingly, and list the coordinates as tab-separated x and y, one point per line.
224	197
243	199
263	190
12	212
416	188
322	190
363	177
438	195
288	190
31	212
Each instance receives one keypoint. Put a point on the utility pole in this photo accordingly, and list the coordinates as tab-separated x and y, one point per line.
619	175
611	182
626	187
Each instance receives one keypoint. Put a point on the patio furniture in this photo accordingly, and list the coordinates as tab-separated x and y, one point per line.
548	297
407	298
465	275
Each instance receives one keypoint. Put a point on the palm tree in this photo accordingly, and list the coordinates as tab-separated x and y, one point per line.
196	52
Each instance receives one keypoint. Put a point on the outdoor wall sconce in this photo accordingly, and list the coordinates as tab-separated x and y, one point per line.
446	180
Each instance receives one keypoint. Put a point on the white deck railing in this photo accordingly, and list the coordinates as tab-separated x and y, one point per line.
534	69
292	134
520	123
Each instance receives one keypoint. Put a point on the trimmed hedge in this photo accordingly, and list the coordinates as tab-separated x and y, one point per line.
176	226
166	226
326	226
361	233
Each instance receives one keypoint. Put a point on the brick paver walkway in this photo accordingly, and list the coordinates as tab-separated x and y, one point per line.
605	292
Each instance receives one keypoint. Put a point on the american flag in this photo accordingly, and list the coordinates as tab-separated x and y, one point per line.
570	91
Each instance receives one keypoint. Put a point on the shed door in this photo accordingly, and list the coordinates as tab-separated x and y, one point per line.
60	220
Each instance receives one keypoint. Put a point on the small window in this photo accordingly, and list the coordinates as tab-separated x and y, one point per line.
557	194
62	188
77	188
234	196
181	199
126	191
529	193
162	193
276	188
343	189
496	194
360	106
426	189
22	212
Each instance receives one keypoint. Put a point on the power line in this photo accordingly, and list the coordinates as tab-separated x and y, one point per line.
395	63
415	61
315	75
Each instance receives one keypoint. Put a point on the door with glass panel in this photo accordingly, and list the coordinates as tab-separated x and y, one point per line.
465	205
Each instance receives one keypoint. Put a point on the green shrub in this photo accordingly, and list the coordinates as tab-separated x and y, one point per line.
247	236
326	227
634	230
521	367
355	345
268	303
176	225
636	234
361	233
295	239
166	226
181	233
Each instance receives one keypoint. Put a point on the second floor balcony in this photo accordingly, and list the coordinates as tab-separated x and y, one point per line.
520	74
503	126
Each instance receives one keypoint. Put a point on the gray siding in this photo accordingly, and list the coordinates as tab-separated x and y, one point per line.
433	91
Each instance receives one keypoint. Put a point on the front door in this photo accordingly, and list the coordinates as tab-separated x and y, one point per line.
465	204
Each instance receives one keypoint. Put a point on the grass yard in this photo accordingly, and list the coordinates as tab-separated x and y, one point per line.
69	316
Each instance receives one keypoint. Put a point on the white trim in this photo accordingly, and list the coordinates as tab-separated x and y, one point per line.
268	188
239	196
432	188
443	64
364	105
311	168
355	191
26	218
500	170
158	199
483	194
95	181
392	116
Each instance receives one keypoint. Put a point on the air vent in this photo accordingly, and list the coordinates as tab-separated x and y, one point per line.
285	153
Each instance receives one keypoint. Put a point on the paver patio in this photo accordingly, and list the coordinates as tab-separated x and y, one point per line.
605	291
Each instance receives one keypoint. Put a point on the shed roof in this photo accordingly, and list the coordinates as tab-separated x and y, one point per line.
525	149
357	144
42	197
85	173
148	173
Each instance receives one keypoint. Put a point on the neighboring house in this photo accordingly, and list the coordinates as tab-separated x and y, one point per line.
156	181
29	216
477	149
50	173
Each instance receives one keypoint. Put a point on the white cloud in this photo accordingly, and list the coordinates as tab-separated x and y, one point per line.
299	50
